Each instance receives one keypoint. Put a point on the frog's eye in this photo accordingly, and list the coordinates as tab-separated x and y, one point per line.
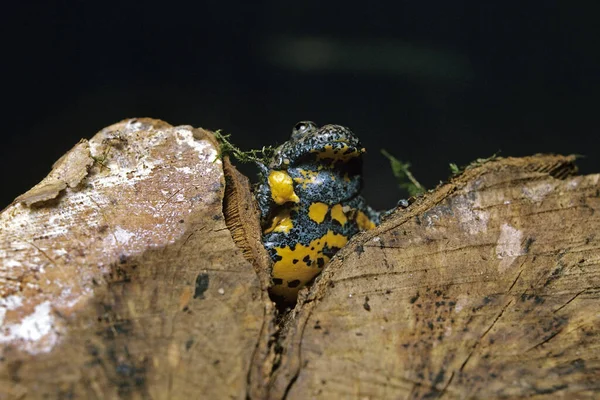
302	128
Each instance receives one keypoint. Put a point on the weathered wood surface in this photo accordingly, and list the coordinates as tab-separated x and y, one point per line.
487	288
120	279
128	284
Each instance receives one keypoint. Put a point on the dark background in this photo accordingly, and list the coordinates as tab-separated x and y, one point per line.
433	82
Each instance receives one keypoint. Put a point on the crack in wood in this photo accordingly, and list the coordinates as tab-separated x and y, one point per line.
476	345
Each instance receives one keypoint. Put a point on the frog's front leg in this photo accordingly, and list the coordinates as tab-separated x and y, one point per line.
263	194
276	191
264	200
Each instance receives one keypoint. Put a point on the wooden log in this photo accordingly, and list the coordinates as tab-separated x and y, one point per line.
486	288
119	278
127	284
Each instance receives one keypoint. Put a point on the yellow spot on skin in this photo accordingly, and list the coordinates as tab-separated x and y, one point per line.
308	177
282	188
364	223
282	222
337	213
288	271
337	154
317	212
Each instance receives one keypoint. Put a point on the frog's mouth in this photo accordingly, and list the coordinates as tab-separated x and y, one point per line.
330	144
338	151
334	143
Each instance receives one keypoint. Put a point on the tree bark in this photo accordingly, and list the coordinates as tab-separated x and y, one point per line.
119	278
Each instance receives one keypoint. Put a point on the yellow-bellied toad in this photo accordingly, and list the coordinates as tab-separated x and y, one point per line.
310	203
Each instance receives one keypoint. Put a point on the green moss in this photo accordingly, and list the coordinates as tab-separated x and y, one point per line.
456	170
404	177
261	156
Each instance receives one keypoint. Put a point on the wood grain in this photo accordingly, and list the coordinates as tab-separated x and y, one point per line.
119	278
486	288
129	285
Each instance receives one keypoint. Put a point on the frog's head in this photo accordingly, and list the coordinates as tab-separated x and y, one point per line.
318	164
329	145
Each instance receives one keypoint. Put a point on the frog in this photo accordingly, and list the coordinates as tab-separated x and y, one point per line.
310	203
